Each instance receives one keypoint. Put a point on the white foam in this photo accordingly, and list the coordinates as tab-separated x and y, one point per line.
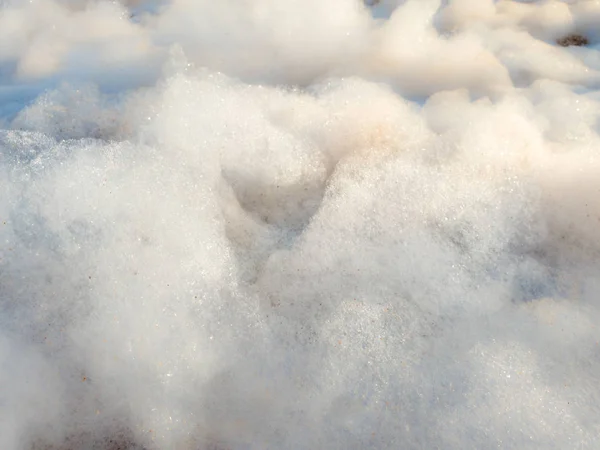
298	224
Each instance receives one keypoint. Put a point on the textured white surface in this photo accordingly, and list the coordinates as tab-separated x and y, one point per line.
299	224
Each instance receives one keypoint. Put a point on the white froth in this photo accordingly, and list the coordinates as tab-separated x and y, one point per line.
299	225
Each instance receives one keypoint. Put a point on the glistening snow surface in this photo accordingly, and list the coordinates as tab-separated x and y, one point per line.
299	224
